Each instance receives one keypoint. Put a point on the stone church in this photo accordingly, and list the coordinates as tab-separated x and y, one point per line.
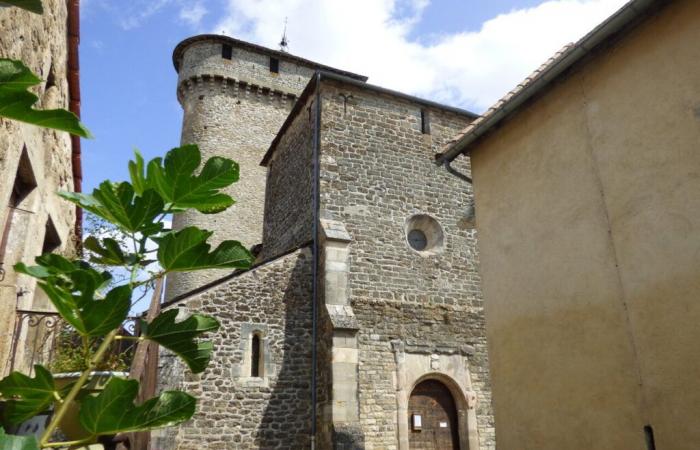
360	325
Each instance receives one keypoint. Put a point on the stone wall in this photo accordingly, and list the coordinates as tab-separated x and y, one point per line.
251	67
237	124
233	108
377	171
236	410
41	155
289	188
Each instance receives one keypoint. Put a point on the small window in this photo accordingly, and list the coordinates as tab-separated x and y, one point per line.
51	239
424	235
51	79
24	185
256	356
424	121
226	51
417	240
274	65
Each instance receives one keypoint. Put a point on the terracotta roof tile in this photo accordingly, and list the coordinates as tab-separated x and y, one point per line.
506	98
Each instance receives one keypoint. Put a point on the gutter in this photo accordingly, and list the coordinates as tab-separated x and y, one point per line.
613	25
73	25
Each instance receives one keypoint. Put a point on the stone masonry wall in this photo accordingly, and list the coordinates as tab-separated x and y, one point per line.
377	170
233	108
235	410
251	67
238	125
40	42
289	189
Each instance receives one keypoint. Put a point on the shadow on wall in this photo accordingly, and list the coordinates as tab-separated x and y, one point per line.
286	421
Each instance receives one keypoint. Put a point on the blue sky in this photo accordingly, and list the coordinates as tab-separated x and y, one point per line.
465	53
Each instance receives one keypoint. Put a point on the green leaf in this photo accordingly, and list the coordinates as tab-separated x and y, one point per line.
10	442
72	288
178	186
102	316
65	304
108	252
136	171
72	276
188	249
27	397
118	204
16	101
179	337
113	410
30	5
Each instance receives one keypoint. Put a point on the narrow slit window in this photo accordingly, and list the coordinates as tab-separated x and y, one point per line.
256	356
424	121
274	65
226	51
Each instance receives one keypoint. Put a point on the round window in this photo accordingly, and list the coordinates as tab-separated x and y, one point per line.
417	240
424	234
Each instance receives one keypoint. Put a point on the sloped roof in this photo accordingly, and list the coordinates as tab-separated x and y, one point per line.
506	98
542	79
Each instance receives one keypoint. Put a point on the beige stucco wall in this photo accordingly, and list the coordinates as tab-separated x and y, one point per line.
40	42
588	217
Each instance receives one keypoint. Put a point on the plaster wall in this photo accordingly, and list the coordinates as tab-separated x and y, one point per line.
40	42
588	217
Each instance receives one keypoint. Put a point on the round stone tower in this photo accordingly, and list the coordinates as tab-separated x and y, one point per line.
235	96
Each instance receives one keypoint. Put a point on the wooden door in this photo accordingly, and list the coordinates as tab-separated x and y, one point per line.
433	401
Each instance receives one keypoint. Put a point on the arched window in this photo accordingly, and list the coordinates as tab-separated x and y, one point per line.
256	356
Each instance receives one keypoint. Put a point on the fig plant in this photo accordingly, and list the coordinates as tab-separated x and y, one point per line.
94	306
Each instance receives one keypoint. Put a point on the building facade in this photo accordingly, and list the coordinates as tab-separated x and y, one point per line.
35	162
588	212
361	323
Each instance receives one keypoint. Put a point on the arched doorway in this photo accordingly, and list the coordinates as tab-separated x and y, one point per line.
432	417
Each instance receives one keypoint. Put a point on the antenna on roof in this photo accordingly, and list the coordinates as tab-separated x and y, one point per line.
284	43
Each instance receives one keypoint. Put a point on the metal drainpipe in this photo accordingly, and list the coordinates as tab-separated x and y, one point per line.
316	251
73	63
448	165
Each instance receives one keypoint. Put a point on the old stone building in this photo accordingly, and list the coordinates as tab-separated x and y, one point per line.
361	323
34	163
592	166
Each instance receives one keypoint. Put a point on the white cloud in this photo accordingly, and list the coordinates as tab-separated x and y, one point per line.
192	14
371	37
136	13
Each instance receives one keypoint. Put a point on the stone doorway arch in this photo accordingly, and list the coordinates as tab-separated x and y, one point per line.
432	415
415	365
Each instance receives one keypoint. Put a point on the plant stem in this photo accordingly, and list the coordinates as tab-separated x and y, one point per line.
63	408
67	443
128	338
